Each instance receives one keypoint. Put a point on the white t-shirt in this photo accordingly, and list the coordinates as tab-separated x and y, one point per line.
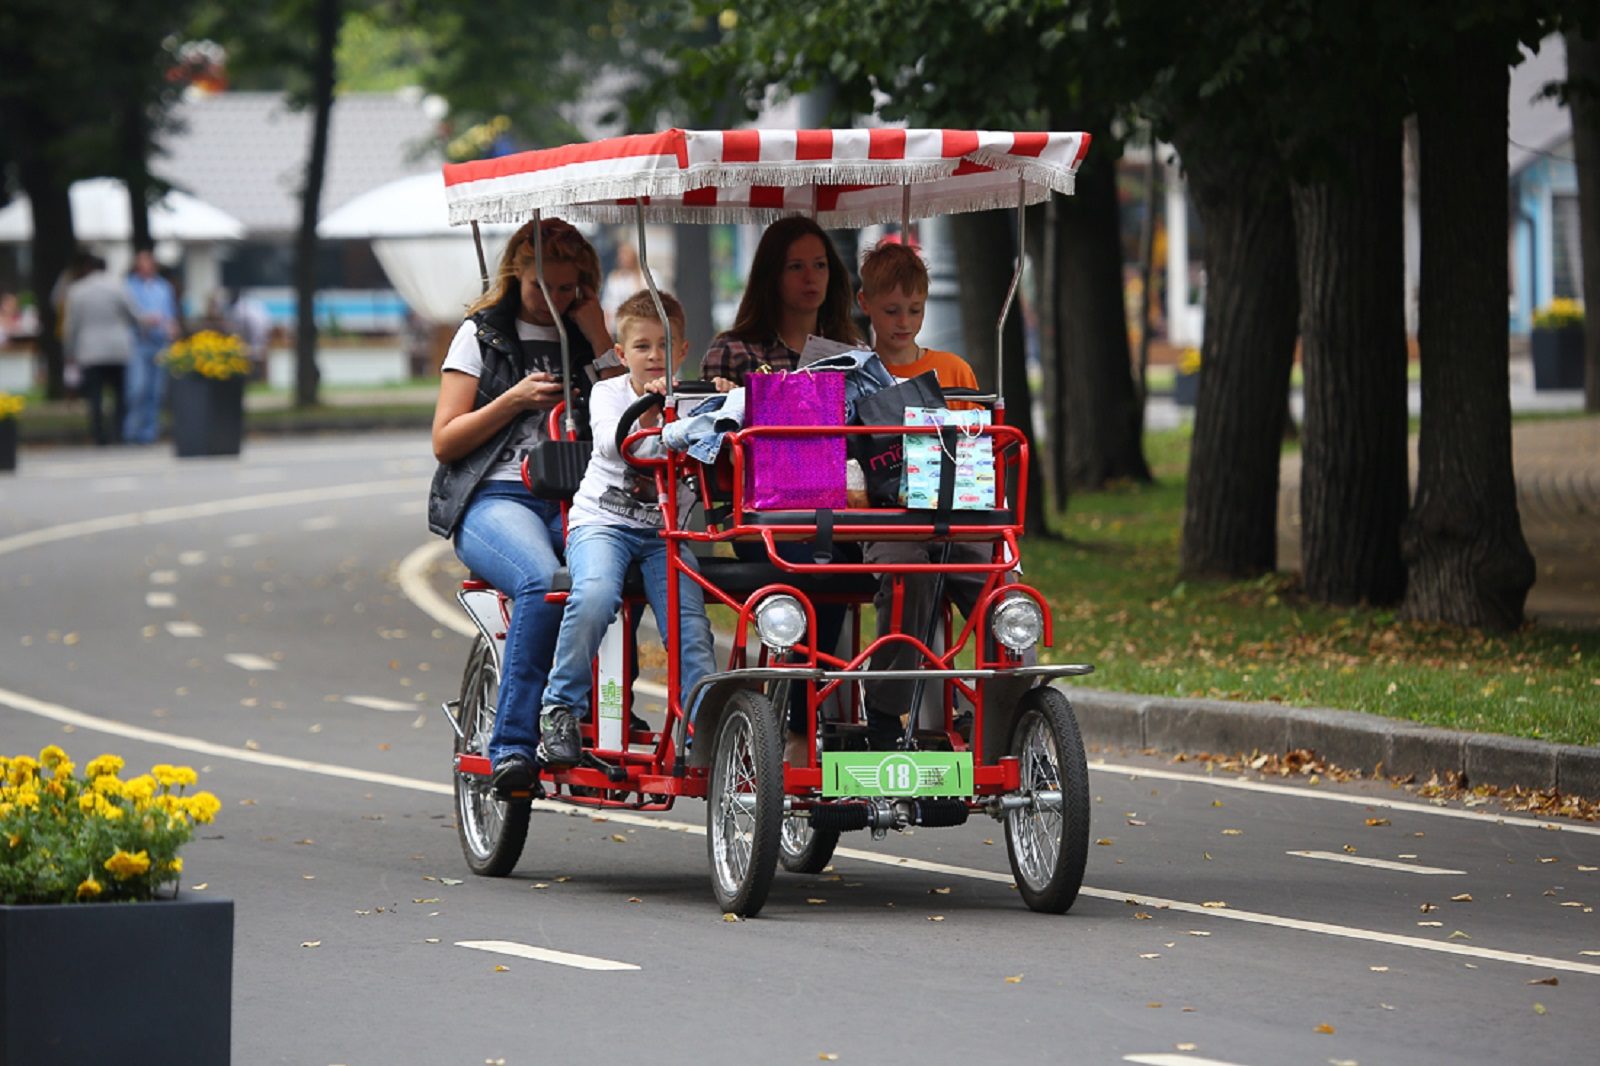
466	356
613	492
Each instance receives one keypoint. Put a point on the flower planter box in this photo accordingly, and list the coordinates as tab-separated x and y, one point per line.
116	982
207	415
8	444
1185	388
1558	358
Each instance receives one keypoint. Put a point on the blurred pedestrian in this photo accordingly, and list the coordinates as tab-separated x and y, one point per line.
624	280
99	340
157	307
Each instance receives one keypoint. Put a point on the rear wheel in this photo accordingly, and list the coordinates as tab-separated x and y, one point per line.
804	850
492	830
744	809
1049	839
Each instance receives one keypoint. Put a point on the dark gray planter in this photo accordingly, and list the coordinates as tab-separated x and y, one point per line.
1558	358
1185	388
8	444
207	415
117	982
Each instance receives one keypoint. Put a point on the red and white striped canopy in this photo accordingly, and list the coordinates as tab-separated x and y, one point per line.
839	177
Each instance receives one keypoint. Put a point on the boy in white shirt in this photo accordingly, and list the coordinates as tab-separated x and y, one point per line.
615	521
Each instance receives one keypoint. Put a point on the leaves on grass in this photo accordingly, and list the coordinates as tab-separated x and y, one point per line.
1464	897
1375	822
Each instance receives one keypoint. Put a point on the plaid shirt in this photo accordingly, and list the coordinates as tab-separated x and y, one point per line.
732	358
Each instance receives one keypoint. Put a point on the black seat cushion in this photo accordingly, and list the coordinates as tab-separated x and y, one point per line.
739	579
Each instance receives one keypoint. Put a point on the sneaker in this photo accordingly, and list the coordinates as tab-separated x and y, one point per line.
559	746
884	731
513	773
637	724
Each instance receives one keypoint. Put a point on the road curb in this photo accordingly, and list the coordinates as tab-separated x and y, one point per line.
1349	739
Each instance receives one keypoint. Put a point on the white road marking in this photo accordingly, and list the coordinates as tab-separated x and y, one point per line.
160	599
246	661
163	577
1304	792
185	629
378	703
1376	864
560	958
256	477
163	515
320	522
243	540
191	558
1168	1058
81	720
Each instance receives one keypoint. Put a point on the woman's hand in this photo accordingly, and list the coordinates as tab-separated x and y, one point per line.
538	391
591	321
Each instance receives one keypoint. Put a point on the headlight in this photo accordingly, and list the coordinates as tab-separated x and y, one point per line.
1017	623
780	621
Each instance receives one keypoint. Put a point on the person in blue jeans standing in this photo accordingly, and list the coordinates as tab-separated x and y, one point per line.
615	521
501	377
157	305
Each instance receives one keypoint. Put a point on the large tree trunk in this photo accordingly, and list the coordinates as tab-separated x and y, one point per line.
1052	457
985	247
1468	562
1583	64
1252	305
306	376
1353	490
1102	412
136	152
53	244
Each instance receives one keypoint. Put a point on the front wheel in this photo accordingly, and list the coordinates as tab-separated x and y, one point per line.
492	830
744	810
1049	840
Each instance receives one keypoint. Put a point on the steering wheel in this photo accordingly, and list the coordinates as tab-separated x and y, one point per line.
631	415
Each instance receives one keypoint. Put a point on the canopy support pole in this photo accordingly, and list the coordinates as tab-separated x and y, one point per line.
905	215
1011	293
655	295
561	327
483	265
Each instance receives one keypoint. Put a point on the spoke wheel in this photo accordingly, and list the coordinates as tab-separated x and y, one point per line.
744	809
492	830
1049	840
804	850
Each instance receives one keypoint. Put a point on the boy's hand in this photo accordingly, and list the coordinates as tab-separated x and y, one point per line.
723	384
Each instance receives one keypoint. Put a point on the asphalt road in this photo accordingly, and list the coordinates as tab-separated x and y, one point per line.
256	618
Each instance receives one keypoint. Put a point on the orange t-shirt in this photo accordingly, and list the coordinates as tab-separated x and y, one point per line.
952	370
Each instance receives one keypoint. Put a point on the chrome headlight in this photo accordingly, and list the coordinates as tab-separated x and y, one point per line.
780	621
1017	622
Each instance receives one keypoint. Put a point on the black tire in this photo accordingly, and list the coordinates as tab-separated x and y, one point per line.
804	850
742	834
1049	847
492	830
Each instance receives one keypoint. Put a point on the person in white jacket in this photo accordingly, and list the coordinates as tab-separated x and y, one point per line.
100	320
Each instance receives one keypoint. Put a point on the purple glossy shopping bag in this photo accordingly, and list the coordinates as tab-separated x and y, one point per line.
795	473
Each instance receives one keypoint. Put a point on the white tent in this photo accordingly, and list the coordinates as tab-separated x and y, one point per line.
429	262
100	214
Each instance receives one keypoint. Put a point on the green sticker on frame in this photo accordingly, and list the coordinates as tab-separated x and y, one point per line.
910	774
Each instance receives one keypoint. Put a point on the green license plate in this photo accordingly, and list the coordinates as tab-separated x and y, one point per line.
897	773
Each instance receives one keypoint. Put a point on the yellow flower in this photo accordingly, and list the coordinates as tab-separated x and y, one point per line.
173	775
173	865
107	785
142	787
104	764
88	888
88	801
28	800
14	839
203	807
11	405
1190	363
23	767
1558	313
122	865
51	757
6	808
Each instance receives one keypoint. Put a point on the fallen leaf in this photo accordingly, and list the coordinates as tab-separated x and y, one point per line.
1104	842
827	1056
1233	832
562	880
1431	925
1464	897
307	840
1324	1028
1551	858
1378	821
1538	1008
618	838
431	940
1141	917
989	840
635	899
1017	980
731	917
1207	854
1386	1006
201	887
1135	821
1428	908
540	884
816	902
1185	1047
935	917
1152	1004
1197	932
426	899
1378	969
498	968
1588	869
1350	849
1458	935
1572	903
1216	803
451	881
939	891
1545	981
1405	856
1214	904
1150	955
311	943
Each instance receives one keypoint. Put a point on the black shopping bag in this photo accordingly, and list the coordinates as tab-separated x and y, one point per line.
882	455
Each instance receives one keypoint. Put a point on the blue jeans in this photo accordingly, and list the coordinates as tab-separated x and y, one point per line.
513	541
146	383
598	558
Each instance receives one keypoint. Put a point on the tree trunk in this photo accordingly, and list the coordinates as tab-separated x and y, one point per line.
136	152
52	247
1041	252
1230	522
985	248
1102	406
1583	64
1353	490
305	268
1467	561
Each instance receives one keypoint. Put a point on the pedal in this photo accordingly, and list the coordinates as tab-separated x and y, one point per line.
592	761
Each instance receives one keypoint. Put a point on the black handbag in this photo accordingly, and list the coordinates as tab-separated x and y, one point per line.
882	455
554	468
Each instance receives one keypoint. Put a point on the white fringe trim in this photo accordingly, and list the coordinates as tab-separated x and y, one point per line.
1029	168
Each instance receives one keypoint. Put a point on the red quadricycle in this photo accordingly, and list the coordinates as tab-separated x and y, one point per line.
983	730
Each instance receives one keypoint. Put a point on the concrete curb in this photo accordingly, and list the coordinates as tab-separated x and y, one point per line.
1345	738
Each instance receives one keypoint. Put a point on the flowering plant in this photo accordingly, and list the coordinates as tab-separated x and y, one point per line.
65	838
209	354
1189	363
1559	313
11	405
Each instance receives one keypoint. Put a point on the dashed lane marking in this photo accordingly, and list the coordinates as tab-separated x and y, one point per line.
560	958
185	629
319	523
1168	1058
246	661
191	558
160	599
1376	864
378	703
163	577
114	484
81	720
243	540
